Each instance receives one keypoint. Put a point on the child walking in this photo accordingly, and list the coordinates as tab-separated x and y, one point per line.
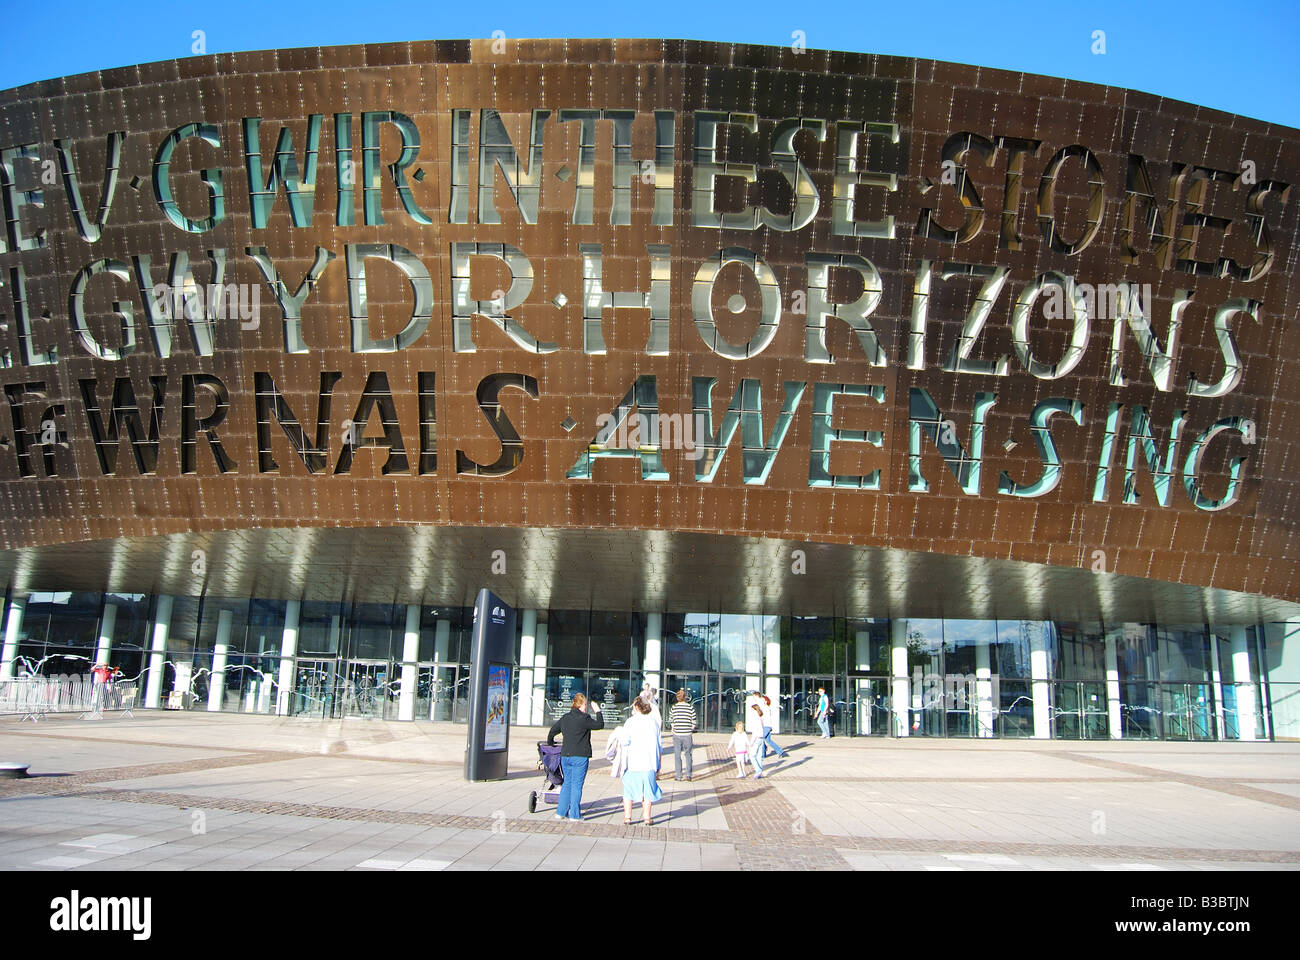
739	744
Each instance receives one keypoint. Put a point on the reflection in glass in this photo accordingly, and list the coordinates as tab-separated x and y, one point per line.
690	641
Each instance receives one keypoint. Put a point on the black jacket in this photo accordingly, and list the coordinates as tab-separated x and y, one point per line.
575	726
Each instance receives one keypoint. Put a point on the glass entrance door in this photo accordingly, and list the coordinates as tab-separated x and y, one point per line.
365	689
313	688
439	685
693	684
1188	711
1069	723
870	712
1096	711
1200	708
961	705
799	705
724	701
1082	712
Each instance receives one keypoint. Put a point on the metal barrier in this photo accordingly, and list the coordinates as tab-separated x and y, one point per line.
35	697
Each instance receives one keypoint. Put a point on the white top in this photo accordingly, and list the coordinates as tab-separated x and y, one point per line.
641	743
614	752
753	722
739	743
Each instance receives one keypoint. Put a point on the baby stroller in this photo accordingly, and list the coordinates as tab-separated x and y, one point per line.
548	759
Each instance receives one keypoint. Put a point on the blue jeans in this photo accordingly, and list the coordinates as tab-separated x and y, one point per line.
756	757
769	742
825	725
575	774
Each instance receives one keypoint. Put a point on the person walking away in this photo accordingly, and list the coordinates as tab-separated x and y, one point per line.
753	719
641	751
756	739
823	709
575	754
769	723
683	722
739	745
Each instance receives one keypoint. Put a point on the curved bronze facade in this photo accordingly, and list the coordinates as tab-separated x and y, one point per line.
879	265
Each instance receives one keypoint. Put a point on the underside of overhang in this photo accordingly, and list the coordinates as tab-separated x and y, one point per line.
615	570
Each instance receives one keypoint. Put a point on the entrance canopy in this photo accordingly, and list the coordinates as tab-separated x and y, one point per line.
617	569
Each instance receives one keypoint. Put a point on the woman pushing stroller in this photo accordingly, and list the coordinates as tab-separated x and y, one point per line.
575	755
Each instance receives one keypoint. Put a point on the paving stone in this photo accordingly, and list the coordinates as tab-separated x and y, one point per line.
129	800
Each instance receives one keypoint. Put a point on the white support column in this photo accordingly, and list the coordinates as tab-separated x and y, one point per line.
654	640
1113	707
288	650
158	653
1042	687
527	650
772	669
1220	721
220	649
410	672
539	671
441	640
984	707
336	633
441	645
862	659
1245	684
107	624
13	626
902	695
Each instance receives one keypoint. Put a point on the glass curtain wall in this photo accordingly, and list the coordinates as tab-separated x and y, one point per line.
219	671
1080	693
964	678
870	698
59	633
597	653
442	687
1279	664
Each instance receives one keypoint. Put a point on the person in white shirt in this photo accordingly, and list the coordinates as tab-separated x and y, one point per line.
641	754
739	745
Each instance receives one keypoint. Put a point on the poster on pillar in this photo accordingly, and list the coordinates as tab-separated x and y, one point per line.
491	663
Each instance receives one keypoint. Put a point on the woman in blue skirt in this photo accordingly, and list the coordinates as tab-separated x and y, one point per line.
641	750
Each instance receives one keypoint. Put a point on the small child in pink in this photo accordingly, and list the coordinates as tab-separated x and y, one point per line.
739	745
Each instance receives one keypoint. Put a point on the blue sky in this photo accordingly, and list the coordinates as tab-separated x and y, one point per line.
1236	57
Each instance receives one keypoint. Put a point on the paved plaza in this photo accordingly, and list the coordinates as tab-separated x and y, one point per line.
177	791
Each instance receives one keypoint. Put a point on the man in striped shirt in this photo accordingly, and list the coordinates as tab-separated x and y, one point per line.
682	719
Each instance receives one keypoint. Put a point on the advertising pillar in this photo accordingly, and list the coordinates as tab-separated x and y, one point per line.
491	662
